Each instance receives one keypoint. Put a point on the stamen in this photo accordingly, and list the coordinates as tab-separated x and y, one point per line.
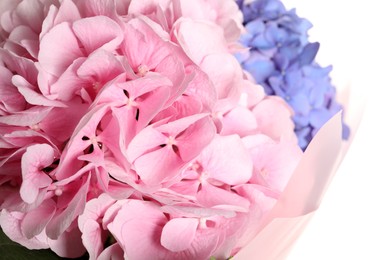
202	223
142	70
58	192
171	141
96	86
35	127
132	103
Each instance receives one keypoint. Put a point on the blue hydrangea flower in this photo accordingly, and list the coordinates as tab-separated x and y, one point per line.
282	60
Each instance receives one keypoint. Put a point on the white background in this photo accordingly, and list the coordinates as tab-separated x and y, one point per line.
353	221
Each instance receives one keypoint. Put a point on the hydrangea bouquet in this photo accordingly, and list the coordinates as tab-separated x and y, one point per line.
134	129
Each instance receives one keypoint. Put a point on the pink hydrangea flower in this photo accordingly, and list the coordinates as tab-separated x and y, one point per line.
129	130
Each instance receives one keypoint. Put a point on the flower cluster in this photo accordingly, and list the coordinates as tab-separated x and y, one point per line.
129	130
282	60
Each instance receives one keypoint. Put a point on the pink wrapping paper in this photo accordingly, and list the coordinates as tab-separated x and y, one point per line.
308	184
301	197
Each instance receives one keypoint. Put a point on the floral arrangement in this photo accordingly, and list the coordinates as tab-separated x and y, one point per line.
129	129
282	60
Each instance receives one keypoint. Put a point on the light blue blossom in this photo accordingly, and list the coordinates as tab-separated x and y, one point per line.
282	60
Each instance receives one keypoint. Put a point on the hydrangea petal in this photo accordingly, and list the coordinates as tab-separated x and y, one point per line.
98	32
36	220
227	160
58	49
137	228
63	220
91	237
69	244
33	161
113	252
10	224
178	233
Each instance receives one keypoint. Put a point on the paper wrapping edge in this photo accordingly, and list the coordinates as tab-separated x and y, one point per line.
301	197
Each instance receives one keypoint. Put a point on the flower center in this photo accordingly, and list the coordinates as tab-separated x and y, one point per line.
96	86
58	192
132	103
142	70
264	173
203	176
171	141
35	127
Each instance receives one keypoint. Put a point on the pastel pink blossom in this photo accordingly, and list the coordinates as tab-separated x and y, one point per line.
159	153
223	13
151	238
34	161
128	130
166	13
90	223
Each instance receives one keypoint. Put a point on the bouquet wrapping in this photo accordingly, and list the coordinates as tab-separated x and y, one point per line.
129	130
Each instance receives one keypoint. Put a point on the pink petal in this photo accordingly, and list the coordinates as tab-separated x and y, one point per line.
28	117
190	35
137	228
267	110
274	162
225	72
95	209
192	211
173	67
115	189
239	121
90	8
153	95
11	99
138	35
197	136
101	66
10	224
211	196
146	97
112	94
226	159
36	157
111	213
92	238
158	166
261	204
68	85
113	252
61	122
98	32
63	220
26	38
201	87
76	145
6	8
187	187
69	244
31	96
36	220
149	138
22	138
118	172
58	49
67	12
252	94
179	233
22	66
31	13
